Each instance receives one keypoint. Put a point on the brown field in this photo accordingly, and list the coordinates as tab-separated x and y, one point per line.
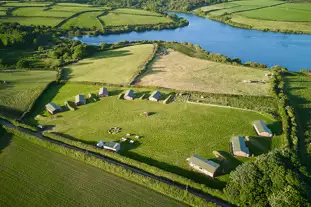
178	71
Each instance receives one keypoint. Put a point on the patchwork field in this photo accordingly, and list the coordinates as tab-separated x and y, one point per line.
47	21
136	12
40	12
178	71
265	14
86	20
21	88
117	19
284	12
114	66
170	135
31	176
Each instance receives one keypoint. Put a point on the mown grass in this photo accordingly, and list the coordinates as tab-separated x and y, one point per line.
32	175
178	71
86	20
136	12
272	25
39	11
74	9
47	21
21	89
114	66
284	12
18	4
117	19
170	135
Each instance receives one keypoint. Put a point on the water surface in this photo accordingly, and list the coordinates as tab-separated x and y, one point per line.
289	50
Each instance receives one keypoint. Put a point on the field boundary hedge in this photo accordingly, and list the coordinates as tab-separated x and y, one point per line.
60	24
145	65
93	159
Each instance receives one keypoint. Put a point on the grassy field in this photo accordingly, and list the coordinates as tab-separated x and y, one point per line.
34	176
40	12
298	87
86	20
178	71
47	21
116	19
170	135
136	11
284	12
113	66
28	4
265	14
22	88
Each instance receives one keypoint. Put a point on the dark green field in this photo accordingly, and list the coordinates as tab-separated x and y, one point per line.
33	176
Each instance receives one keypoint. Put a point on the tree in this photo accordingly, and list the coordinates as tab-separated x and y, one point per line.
79	52
22	64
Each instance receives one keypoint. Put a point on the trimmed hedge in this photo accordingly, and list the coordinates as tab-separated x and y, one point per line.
168	190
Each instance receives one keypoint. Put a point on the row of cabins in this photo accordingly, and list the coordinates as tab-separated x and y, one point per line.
238	147
52	108
130	95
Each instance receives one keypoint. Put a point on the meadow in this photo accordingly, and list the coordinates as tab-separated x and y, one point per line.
21	88
263	15
136	12
285	12
178	71
117	19
172	132
40	12
47	21
113	66
86	20
32	176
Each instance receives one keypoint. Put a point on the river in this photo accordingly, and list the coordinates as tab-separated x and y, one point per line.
289	50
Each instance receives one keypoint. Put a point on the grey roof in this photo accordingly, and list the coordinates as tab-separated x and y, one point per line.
130	93
261	126
103	91
238	144
112	145
52	107
208	165
156	95
79	98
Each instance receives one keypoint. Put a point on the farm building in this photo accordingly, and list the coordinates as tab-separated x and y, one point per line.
155	96
103	92
262	129
53	108
129	95
112	146
80	100
204	166
239	147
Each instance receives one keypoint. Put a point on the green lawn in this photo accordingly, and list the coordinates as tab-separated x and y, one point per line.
117	19
136	11
39	11
113	66
34	176
47	21
284	12
86	20
173	133
22	88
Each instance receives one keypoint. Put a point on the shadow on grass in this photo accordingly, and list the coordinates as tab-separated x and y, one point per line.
227	163
5	139
67	136
39	106
276	128
66	74
197	177
259	145
111	54
10	112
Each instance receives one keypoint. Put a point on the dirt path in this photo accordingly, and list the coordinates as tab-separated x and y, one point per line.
194	191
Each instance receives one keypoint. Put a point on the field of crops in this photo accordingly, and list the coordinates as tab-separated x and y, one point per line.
170	135
21	88
85	20
284	12
178	71
117	19
34	176
113	66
